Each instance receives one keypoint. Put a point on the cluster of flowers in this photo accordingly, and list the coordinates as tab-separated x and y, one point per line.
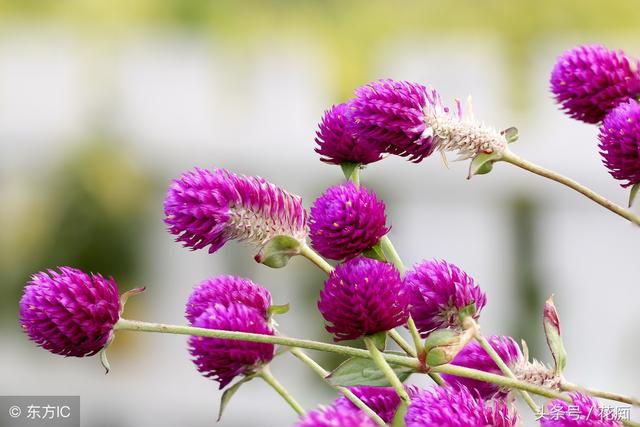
601	86
74	314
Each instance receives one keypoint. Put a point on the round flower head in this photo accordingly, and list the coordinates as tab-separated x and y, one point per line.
475	357
383	401
457	407
620	142
224	359
69	312
336	416
362	297
406	119
227	290
346	220
590	80
583	411
336	142
205	208
437	292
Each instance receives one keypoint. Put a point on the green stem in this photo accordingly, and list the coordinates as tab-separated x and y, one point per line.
599	393
266	375
313	256
415	335
345	391
404	345
514	159
392	254
381	363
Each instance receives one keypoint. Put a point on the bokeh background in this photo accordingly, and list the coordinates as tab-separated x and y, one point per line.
102	103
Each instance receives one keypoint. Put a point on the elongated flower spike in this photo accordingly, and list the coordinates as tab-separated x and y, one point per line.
208	208
409	120
457	406
336	416
440	295
346	220
589	80
69	312
363	297
583	411
337	143
223	359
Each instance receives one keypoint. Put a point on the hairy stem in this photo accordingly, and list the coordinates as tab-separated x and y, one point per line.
566	386
415	335
381	363
514	159
345	391
404	345
313	256
392	254
266	375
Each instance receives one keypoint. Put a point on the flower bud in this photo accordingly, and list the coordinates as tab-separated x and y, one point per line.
552	333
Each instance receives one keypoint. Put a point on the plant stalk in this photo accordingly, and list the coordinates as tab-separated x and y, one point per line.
268	377
313	256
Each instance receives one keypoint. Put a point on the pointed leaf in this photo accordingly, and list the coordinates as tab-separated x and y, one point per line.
228	394
375	252
482	163
358	371
633	193
277	252
278	309
349	168
510	134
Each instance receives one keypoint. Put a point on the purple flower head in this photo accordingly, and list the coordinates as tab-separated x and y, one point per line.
336	416
475	357
383	401
457	407
227	290
587	81
362	297
70	313
346	220
337	143
224	359
620	142
584	411
438	291
205	208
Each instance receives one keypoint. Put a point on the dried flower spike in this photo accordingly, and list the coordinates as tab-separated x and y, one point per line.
336	416
620	142
69	312
362	297
588	81
205	208
337	143
583	411
438	293
346	220
224	359
456	406
227	290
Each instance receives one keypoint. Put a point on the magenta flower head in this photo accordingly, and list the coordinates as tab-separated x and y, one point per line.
224	359
227	290
69	312
457	407
205	208
337	143
439	293
362	297
587	81
346	220
336	416
383	401
475	357
620	142
583	411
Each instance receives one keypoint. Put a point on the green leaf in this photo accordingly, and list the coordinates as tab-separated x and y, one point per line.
380	340
349	168
510	134
228	394
278	309
375	252
358	371
277	252
634	193
482	164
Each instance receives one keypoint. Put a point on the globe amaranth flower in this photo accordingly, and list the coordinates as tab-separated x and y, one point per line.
457	407
207	208
409	120
227	290
69	312
438	291
620	142
346	220
224	359
362	297
583	411
383	401
588	81
334	416
337	143
475	357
